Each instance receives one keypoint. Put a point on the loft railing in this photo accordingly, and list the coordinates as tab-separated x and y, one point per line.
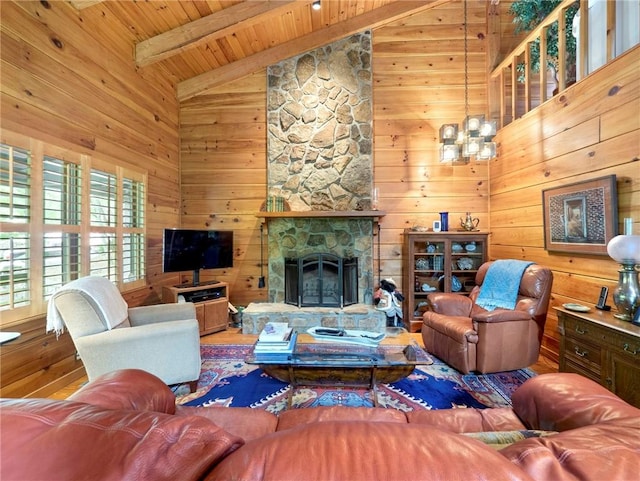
517	89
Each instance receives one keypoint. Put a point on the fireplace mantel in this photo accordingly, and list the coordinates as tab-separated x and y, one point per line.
322	214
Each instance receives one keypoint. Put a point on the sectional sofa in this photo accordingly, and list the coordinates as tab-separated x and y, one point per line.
125	425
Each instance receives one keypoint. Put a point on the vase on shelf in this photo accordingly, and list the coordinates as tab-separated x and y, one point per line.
444	221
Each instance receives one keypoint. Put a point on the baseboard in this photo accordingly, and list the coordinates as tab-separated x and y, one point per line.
59	383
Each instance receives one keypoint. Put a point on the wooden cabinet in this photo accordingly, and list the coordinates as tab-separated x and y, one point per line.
597	345
438	262
211	302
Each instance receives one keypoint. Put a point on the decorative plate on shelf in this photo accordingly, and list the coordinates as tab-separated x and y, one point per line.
576	307
455	247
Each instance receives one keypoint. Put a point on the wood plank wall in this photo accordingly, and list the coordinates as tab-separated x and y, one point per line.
419	84
224	161
590	130
61	84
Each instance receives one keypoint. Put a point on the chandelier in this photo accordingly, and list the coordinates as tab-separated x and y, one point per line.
475	138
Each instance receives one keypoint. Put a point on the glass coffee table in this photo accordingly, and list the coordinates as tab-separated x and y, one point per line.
316	362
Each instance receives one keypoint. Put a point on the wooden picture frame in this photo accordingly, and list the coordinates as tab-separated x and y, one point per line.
581	217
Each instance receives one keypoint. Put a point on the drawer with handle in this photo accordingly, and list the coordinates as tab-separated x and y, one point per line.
586	354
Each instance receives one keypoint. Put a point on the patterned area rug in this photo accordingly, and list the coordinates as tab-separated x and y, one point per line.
227	381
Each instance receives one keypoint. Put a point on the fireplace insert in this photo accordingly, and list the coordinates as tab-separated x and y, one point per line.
321	280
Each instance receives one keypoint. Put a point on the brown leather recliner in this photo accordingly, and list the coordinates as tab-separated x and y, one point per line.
470	338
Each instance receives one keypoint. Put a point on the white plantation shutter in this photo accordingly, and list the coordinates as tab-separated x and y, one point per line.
62	206
65	215
103	198
15	214
133	224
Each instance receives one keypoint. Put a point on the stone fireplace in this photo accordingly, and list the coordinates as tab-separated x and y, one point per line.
332	238
319	159
319	148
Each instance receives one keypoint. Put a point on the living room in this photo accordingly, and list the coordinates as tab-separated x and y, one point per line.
70	83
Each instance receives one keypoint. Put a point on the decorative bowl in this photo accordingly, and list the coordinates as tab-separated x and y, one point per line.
427	288
455	247
465	263
422	264
470	247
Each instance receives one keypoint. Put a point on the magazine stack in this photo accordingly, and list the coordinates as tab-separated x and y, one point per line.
275	343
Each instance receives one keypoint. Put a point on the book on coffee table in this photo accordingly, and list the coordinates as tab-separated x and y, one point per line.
270	352
275	332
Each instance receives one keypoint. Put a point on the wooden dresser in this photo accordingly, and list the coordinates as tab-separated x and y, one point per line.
603	348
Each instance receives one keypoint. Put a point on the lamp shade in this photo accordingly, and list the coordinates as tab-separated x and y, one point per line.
625	249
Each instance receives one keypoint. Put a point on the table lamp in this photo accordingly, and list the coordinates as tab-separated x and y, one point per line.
625	249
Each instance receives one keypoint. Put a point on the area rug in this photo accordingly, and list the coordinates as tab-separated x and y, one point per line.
226	380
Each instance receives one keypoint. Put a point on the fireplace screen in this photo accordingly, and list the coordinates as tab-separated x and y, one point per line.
321	280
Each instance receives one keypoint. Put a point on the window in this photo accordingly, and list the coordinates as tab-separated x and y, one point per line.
64	215
15	214
103	199
14	270
133	208
62	207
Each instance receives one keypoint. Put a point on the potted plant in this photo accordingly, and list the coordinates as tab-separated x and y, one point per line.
527	15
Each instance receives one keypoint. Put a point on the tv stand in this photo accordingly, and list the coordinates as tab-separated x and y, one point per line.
211	300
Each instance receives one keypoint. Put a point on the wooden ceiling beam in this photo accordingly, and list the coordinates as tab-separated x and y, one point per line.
200	84
209	28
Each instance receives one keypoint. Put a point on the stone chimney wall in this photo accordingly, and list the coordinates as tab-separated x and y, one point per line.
319	120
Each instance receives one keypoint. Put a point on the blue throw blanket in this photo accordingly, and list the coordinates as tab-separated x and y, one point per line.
501	284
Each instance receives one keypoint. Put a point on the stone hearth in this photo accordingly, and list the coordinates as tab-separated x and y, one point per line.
357	316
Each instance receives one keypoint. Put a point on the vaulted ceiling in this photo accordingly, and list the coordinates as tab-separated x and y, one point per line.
202	44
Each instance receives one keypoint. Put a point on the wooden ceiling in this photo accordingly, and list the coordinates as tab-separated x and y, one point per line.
202	44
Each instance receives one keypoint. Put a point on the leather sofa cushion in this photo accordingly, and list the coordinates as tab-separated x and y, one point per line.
563	401
132	389
608	450
247	423
355	450
66	440
468	420
297	417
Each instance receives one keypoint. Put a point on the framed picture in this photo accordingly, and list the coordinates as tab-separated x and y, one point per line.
581	217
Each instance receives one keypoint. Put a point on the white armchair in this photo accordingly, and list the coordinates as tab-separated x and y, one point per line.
161	339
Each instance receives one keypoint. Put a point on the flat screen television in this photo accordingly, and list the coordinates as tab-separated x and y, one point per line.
192	250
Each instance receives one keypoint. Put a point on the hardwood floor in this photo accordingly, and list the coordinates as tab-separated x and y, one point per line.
235	336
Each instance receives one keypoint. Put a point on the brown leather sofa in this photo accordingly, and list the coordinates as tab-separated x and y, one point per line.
470	338
126	426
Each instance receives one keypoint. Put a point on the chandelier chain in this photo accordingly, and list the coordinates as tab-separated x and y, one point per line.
466	64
